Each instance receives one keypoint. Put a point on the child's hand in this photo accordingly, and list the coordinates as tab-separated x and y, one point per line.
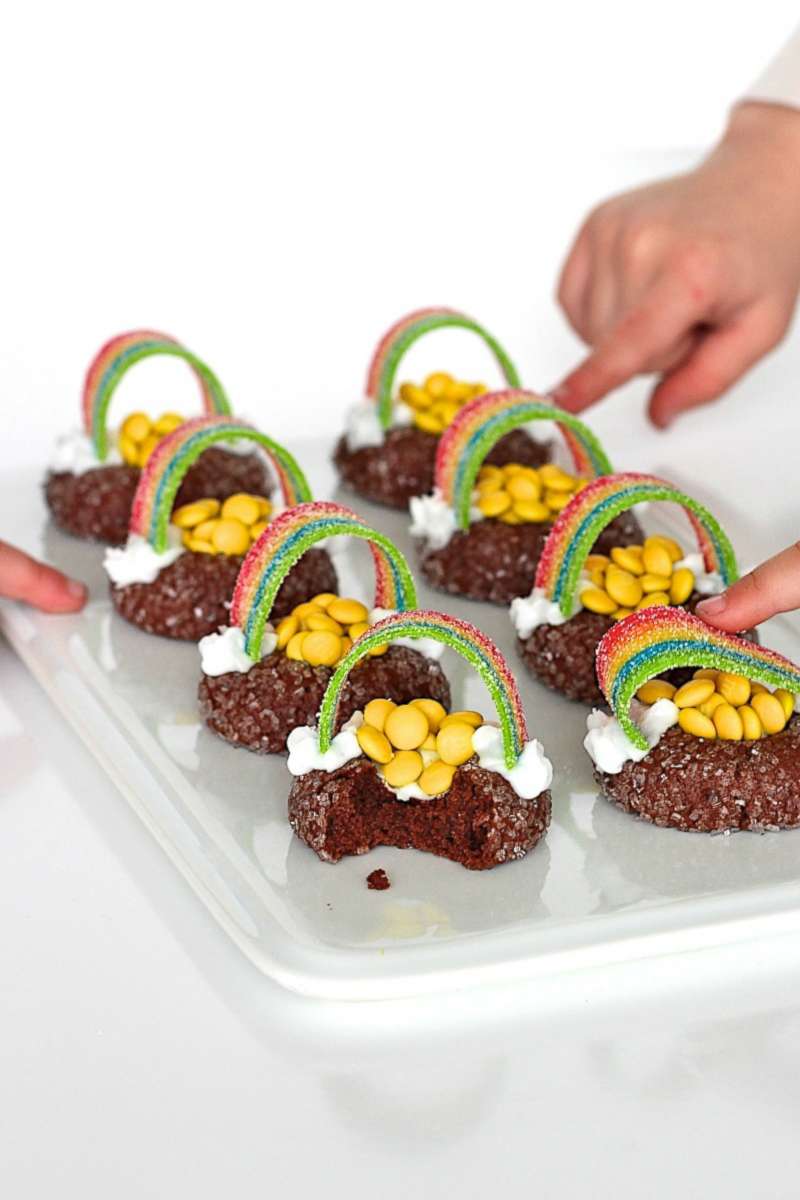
23	578
773	587
694	278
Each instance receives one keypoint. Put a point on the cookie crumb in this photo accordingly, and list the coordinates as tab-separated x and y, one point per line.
378	881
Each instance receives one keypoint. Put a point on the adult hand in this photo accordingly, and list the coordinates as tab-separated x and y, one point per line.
773	587
23	578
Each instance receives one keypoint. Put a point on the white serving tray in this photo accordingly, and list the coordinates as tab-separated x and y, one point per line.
601	887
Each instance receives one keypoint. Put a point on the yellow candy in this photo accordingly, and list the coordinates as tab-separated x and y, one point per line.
510	517
786	700
710	706
619	614
186	537
301	611
511	469
756	688
405	768
257	529
136	427
555	501
489	471
430	743
205	529
468	715
598	577
264	506
751	725
346	645
494	503
168	422
681	586
454	742
436	385
733	688
706	673
285	630
433	710
594	561
695	692
129	450
377	651
655	689
200	546
294	647
241	507
317	621
521	487
445	410
692	721
323	599
147	447
377	711
656	558
654	600
654	583
531	511
556	480
415	397
728	723
230	537
374	744
623	587
769	711
347	612
624	557
436	778
597	601
670	545
322	649
189	515
406	727
479	389
427	422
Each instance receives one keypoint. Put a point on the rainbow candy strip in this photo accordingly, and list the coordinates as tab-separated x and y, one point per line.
460	636
479	426
402	335
173	456
116	357
286	539
658	639
588	513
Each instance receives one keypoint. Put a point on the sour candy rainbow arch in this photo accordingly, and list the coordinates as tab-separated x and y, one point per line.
480	425
578	526
286	539
116	357
397	340
659	639
460	636
173	456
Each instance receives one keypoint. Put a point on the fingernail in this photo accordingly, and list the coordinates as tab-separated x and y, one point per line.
712	607
76	589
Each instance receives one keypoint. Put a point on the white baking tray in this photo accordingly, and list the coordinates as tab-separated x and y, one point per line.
601	887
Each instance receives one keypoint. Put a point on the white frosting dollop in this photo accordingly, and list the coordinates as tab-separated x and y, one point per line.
427	646
432	519
224	652
529	612
138	562
74	452
608	745
305	754
707	583
533	771
362	426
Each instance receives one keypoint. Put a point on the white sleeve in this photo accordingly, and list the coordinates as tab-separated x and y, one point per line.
780	82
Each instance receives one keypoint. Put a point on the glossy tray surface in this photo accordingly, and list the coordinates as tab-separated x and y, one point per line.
601	886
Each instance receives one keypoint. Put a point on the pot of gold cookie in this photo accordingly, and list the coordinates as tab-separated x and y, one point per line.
95	470
581	588
416	775
481	530
719	753
388	449
176	573
261	680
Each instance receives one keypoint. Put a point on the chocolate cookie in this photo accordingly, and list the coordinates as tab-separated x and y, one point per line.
479	822
259	709
403	466
191	597
562	657
496	562
710	786
97	504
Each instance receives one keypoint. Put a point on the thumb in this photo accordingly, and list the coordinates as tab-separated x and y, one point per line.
23	578
773	587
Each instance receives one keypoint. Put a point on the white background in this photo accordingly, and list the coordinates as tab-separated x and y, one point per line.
273	185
